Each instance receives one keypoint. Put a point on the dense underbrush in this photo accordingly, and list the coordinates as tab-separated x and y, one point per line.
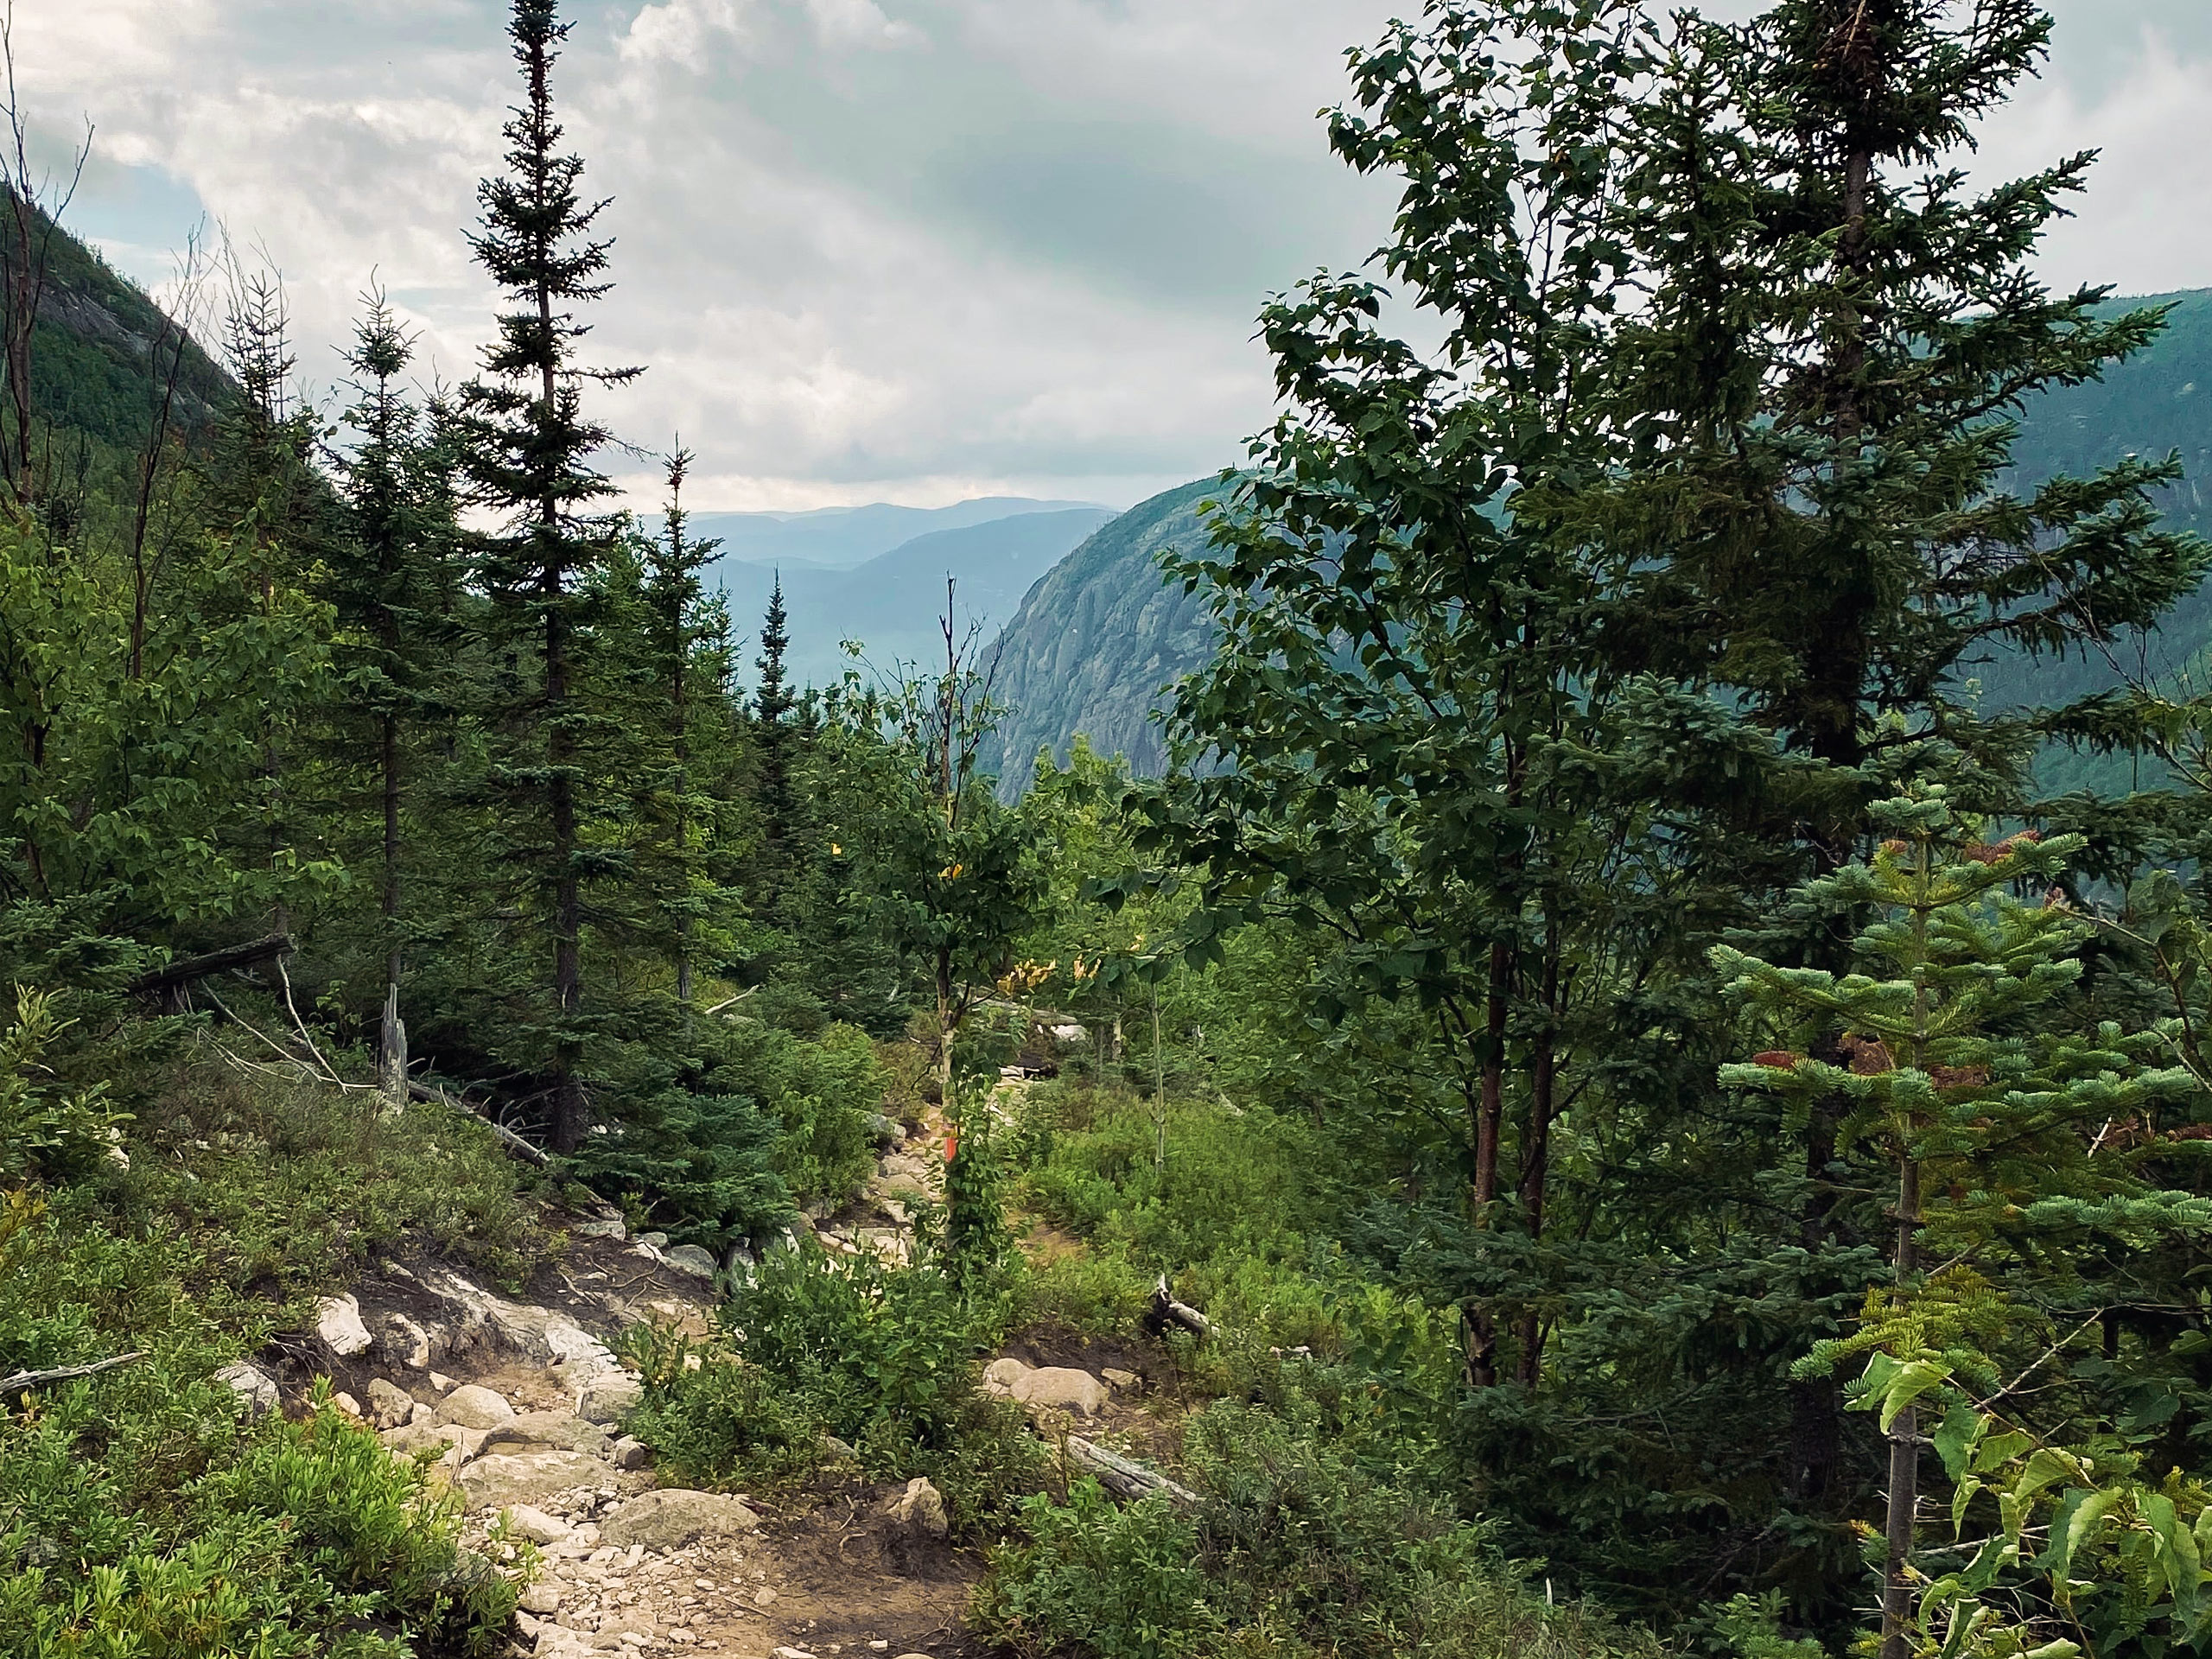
144	1509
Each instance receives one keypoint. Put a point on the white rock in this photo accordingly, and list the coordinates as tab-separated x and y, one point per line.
475	1407
349	1405
543	1597
611	1229
920	1510
502	1482
423	1416
629	1452
410	1340
254	1389
536	1525
670	1520
338	1322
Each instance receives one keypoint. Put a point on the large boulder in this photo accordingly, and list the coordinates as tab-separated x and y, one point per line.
672	1520
338	1323
1054	1388
689	1258
472	1405
527	1478
532	1429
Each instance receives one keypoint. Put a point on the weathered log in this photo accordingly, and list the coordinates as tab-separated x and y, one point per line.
169	983
507	1138
1125	1477
64	1373
1166	1310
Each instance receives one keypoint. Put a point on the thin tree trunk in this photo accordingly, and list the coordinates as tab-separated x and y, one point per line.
1535	1152
1904	1449
1481	1329
392	1046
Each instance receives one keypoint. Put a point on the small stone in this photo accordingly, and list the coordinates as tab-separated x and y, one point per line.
689	1258
612	1228
423	1416
764	1597
475	1407
410	1340
536	1525
659	1240
441	1381
389	1405
349	1405
543	1597
793	1653
1121	1382
629	1452
920	1511
604	1398
254	1389
338	1323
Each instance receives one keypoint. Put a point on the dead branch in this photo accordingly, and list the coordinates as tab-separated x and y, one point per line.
1124	1477
1166	1310
64	1373
506	1137
167	984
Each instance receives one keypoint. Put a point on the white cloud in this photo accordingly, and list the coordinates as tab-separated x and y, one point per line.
900	248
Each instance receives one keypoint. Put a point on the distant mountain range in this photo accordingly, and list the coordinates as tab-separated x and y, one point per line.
892	602
841	537
1100	637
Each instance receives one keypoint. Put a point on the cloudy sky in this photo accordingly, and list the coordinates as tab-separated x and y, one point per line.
897	249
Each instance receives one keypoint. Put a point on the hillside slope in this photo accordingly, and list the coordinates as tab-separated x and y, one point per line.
1098	638
91	354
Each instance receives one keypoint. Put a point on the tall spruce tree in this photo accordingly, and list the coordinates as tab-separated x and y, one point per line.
529	458
394	578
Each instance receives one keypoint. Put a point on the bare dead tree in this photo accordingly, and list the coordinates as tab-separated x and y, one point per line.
173	337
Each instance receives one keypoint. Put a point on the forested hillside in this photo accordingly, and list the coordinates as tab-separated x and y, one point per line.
1608	1113
1096	644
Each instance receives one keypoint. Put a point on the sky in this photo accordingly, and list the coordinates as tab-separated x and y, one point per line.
909	251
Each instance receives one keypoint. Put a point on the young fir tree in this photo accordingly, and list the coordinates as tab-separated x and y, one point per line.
394	580
529	458
775	738
1959	1070
687	665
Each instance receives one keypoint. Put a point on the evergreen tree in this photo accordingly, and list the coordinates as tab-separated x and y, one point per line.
774	739
529	449
685	630
1988	1109
394	580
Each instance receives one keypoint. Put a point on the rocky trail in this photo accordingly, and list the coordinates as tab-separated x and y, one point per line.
520	1401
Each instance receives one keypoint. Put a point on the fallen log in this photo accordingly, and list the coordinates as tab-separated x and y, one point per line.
64	1373
1166	1310
507	1138
170	984
1125	1477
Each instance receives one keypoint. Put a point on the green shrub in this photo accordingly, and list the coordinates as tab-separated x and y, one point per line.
294	1186
1094	1580
822	1095
47	1132
885	1358
139	1516
1297	1548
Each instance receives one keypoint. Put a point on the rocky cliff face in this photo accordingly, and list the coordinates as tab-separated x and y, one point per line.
1099	638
